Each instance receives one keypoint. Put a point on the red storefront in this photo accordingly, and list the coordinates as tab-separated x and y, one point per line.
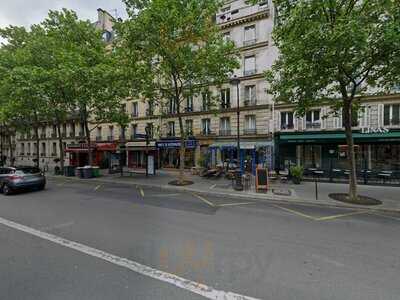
79	154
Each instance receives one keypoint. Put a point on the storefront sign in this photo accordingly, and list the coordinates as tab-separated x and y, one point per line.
367	130
189	144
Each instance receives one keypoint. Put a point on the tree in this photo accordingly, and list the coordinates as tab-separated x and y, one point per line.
173	50
332	52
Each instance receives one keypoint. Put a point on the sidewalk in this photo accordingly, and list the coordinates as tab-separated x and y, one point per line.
278	192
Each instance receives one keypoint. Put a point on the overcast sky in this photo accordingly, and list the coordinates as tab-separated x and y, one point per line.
28	12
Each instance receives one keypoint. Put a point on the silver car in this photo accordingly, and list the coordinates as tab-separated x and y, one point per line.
21	178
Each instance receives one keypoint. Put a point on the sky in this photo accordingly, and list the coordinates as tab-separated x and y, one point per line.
28	12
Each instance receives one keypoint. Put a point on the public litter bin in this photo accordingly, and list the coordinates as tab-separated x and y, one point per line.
238	183
96	171
79	172
87	172
69	171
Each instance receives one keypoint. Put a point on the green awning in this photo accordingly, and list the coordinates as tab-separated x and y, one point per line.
339	136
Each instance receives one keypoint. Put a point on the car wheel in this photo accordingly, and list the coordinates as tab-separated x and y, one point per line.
6	190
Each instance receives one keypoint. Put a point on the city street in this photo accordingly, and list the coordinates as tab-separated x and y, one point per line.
85	240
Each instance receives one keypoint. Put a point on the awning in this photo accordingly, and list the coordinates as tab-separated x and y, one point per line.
329	137
243	145
106	147
140	146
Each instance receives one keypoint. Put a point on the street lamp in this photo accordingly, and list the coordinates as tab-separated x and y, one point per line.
331	152
236	81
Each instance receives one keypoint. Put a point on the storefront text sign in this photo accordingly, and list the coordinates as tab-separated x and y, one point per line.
382	130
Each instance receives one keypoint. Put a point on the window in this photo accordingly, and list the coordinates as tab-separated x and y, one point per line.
134	130
29	149
64	130
72	130
225	126
206	101
313	119
121	132
206	126
54	151
225	98
171	128
150	129
249	35
22	149
354	118
189	127
172	106
189	104
110	133
99	134
54	132
250	124
391	114
43	152
226	36
135	110
287	120
250	95
34	148
150	108
249	65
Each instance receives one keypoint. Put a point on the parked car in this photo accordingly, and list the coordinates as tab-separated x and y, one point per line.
21	178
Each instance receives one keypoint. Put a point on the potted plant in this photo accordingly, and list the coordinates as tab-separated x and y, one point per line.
297	174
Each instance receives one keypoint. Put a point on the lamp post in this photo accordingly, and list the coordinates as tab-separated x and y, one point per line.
239	186
331	153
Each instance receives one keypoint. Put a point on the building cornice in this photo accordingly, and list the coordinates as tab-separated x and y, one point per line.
246	19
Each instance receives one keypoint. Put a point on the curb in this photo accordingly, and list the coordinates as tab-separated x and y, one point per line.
276	199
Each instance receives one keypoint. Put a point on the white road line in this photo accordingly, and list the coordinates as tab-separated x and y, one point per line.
185	284
236	204
141	192
58	226
166	195
204	200
213	186
97	187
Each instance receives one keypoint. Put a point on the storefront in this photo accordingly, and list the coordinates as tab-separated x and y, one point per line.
104	154
252	154
136	154
374	150
170	153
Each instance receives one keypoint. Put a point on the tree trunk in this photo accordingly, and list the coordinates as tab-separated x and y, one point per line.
37	146
182	150
347	114
60	146
88	140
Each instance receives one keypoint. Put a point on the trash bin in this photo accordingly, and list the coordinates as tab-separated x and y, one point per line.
79	172
96	171
238	184
69	171
87	172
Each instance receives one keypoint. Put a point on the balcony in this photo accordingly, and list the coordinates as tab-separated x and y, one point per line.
313	125
224	106
22	154
188	109
72	134
287	126
54	135
225	132
98	138
250	102
249	42
110	138
42	154
206	133
232	15
53	154
249	72
43	136
135	115
28	154
250	131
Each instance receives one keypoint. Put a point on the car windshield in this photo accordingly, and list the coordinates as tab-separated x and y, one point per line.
28	170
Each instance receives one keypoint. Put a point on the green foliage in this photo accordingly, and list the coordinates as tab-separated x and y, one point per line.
297	172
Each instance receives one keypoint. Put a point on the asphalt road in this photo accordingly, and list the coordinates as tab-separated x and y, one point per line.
260	250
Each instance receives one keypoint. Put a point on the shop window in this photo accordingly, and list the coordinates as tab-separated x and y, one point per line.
206	126
171	128
250	124
313	119
189	127
225	98
391	115
287	118
225	126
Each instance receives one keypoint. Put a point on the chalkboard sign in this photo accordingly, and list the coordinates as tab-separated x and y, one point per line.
261	179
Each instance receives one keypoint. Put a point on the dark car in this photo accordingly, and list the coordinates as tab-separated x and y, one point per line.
21	178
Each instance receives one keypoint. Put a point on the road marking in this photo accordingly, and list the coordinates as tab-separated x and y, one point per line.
97	187
236	204
166	195
204	200
141	192
180	282
383	215
58	226
295	212
213	186
341	216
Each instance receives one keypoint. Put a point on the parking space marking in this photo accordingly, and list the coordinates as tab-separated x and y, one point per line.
295	212
383	215
185	284
166	195
236	204
97	187
141	192
204	200
341	216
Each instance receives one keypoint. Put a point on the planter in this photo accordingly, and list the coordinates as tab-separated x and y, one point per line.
296	180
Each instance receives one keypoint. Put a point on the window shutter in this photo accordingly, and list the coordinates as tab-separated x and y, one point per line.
380	115
278	120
